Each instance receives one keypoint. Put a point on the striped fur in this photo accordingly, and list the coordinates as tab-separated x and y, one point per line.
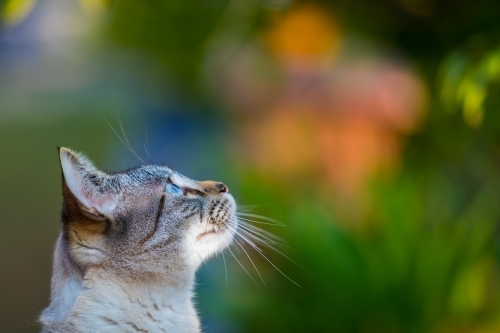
128	250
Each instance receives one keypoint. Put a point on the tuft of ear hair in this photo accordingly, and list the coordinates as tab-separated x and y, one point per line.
87	185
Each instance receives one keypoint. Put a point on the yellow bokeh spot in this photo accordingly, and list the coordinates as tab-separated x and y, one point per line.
494	65
471	289
473	106
93	7
15	11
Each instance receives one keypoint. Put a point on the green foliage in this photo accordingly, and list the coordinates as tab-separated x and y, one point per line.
466	81
419	268
176	33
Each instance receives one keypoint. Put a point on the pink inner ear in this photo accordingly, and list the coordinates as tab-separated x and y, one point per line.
92	213
83	190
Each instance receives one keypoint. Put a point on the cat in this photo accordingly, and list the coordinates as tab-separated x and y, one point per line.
129	246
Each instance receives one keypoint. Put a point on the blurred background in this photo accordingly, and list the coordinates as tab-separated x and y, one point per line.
369	128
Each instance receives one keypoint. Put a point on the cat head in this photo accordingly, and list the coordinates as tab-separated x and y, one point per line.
147	220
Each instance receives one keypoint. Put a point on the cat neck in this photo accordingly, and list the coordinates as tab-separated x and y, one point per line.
103	300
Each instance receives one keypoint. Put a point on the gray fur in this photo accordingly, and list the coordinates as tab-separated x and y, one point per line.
128	250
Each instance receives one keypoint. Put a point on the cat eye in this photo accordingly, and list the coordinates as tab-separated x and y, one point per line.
173	188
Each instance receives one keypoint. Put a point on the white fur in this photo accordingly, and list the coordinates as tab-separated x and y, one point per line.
202	249
101	286
105	303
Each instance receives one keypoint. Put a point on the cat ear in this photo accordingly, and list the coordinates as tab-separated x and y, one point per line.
89	186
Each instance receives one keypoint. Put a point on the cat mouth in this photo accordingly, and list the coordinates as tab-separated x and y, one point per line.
219	229
211	232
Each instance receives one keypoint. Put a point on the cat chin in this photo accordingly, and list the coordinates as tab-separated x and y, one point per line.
216	239
206	243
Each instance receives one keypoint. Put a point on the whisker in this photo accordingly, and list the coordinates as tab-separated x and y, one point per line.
259	222
119	137
146	149
259	217
225	266
123	132
243	211
251	277
249	228
147	138
247	208
263	234
279	270
272	247
262	254
263	240
257	240
252	263
247	240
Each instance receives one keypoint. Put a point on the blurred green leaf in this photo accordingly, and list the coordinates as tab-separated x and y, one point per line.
465	79
176	32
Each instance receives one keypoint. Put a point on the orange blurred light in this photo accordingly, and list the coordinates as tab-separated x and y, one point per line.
304	31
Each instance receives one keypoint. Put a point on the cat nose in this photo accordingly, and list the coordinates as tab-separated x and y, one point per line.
221	188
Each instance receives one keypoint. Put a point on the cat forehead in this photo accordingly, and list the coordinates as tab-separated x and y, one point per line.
149	172
154	173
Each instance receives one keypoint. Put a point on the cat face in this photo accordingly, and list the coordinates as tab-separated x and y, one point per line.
148	220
